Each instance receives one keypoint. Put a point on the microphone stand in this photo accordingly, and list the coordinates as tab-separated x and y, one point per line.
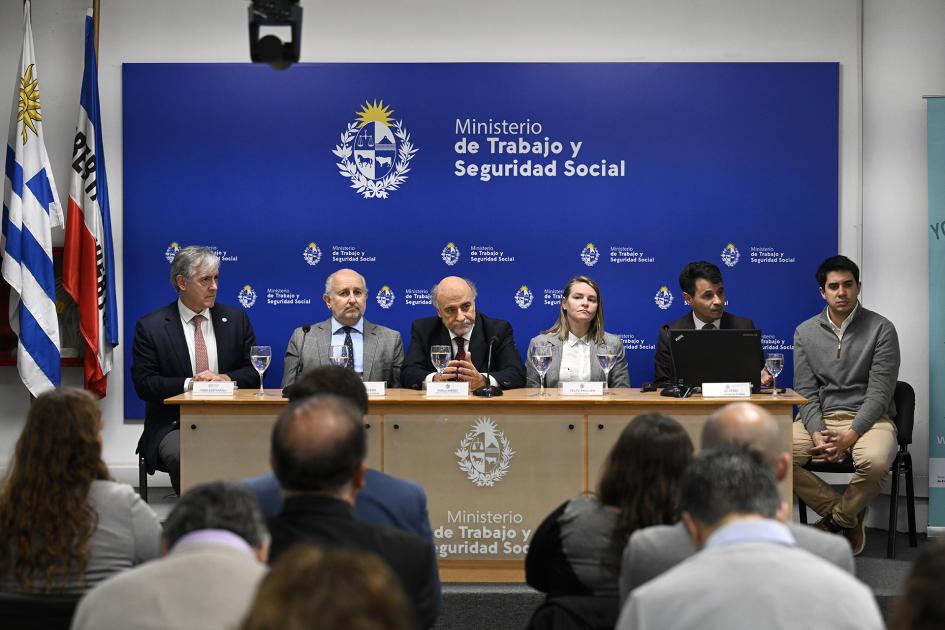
298	366
488	390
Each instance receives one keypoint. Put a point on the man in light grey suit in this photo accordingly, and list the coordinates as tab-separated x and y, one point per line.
215	543
749	572
375	352
655	550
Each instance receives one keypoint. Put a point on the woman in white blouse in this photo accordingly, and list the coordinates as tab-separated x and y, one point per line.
576	340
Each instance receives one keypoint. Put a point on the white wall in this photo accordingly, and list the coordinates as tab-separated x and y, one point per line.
902	49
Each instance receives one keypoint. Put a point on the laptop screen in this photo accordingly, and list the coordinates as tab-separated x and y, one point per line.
717	356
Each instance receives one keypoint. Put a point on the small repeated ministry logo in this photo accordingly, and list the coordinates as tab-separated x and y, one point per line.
663	298
524	297
381	149
171	251
247	297
484	453
312	254
730	255
385	297
450	254
590	255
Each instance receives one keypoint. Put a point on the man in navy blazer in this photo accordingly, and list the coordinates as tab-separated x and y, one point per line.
191	339
458	325
702	288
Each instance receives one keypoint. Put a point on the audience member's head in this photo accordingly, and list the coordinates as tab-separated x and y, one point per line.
642	472
332	380
922	604
309	588
318	446
46	522
747	424
218	505
725	484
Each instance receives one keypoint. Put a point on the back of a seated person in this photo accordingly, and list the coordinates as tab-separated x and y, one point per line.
576	550
64	525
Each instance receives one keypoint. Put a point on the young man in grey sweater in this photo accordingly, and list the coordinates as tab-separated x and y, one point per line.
846	362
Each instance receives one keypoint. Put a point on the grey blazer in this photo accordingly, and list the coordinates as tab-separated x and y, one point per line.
619	376
383	352
752	585
655	550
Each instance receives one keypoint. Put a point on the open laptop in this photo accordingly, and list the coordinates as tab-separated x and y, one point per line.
717	356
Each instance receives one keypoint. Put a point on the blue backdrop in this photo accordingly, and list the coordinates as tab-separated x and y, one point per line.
291	175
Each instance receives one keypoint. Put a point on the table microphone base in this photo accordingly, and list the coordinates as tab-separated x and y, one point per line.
488	391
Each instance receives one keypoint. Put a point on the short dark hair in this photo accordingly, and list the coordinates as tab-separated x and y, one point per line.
217	505
333	380
728	480
695	270
836	263
318	460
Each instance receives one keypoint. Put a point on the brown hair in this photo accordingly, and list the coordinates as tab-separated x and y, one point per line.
922	604
46	522
642	473
329	590
596	331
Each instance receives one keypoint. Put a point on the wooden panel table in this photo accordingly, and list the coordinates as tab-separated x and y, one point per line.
492	468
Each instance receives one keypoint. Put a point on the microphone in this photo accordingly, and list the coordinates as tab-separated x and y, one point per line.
298	366
488	390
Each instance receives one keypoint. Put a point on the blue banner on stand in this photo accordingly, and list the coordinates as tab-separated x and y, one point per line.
936	149
516	175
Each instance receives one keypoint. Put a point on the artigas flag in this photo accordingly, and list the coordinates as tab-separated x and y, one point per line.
88	272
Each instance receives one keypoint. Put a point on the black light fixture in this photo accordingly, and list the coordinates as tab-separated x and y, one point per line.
270	49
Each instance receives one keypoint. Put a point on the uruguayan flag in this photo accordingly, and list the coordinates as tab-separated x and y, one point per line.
30	208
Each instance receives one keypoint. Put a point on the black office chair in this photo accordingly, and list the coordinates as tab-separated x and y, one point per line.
904	398
37	612
142	478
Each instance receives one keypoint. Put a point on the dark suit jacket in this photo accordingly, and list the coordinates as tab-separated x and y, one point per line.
664	360
507	368
330	523
161	364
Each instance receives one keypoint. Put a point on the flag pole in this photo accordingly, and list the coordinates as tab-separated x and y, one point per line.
95	14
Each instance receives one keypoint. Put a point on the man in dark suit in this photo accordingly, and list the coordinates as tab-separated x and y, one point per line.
190	339
457	324
701	284
318	449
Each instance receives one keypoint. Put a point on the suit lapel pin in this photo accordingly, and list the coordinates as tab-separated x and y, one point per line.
223	319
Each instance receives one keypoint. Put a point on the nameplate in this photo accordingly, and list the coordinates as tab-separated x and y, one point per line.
582	388
375	388
212	388
454	389
726	390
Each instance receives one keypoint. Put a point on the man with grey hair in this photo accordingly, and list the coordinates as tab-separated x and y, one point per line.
374	352
215	544
652	551
469	335
749	572
191	339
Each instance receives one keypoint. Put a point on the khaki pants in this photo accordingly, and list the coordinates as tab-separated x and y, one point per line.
873	454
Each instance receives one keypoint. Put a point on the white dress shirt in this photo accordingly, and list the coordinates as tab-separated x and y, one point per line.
575	359
209	339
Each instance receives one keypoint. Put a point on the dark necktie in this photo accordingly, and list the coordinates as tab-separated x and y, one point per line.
349	345
709	327
460	349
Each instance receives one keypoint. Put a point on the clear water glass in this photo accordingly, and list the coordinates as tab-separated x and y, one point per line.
774	363
260	356
440	357
541	360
